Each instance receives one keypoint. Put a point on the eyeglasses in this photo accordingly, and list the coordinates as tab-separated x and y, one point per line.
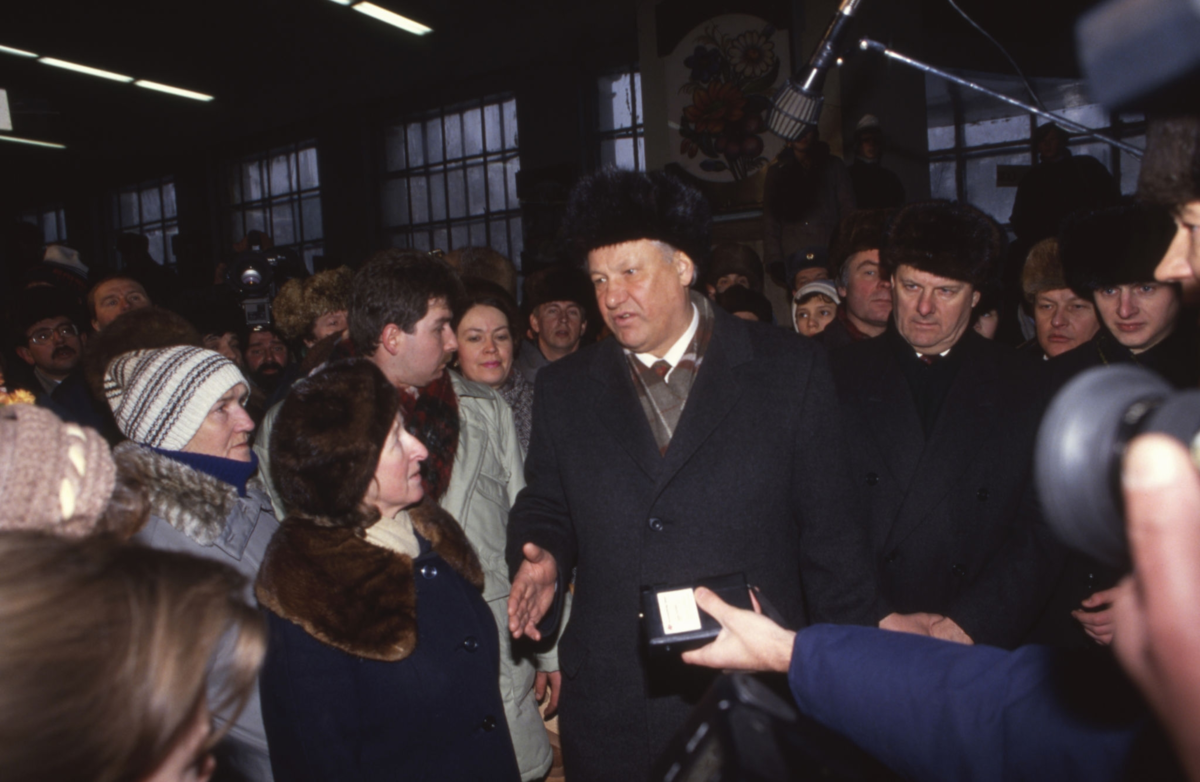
42	336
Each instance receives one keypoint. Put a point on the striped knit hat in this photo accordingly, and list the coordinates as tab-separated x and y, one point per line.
160	397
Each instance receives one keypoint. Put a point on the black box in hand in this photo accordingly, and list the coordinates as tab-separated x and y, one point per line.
671	620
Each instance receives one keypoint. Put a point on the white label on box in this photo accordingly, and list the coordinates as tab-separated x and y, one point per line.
678	611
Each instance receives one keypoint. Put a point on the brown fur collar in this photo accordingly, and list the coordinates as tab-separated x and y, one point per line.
353	595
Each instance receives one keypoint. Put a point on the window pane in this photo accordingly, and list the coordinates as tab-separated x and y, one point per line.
172	232
441	239
497	199
473	131
394	148
639	117
941	138
310	255
457	186
151	205
1131	167
616	102
155	248
129	209
498	230
981	184
437	196
510	123
454	137
433	141
416	145
1092	116
513	167
420	241
168	192
255	220
310	211
942	182
479	237
49	231
476	190
516	241
641	153
395	202
419	199
283	224
282	176
493	127
617	152
237	228
996	131
309	175
401	240
252	188
460	236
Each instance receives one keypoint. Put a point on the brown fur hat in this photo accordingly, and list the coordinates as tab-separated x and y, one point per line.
734	258
146	328
1043	270
1120	245
301	301
863	229
326	442
949	239
1170	175
486	264
615	205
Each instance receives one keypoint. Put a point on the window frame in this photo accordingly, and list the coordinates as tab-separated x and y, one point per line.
168	226
636	131
306	247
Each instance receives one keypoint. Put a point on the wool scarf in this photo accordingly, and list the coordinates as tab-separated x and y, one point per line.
663	400
432	417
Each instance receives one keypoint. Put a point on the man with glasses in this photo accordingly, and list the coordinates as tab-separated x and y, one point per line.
48	338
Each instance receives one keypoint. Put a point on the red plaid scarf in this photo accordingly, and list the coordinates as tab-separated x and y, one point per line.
432	417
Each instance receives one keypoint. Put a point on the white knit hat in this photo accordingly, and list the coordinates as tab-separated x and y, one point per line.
160	397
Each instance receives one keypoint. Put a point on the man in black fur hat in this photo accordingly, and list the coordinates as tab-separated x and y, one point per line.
558	298
676	451
940	427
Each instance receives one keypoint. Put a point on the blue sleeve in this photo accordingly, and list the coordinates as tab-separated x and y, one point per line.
935	710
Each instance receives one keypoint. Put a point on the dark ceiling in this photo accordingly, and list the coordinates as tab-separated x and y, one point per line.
274	62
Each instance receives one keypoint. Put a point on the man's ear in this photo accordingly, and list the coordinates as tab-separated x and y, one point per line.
25	355
975	297
533	324
390	339
95	325
685	268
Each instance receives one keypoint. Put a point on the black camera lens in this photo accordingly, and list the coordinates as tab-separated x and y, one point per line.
1081	443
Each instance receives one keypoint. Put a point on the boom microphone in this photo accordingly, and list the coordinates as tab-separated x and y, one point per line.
797	105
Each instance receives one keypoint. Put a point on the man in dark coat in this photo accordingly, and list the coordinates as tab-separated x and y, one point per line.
940	426
865	290
681	449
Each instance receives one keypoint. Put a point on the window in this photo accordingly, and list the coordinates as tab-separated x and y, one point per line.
51	222
979	148
450	179
620	122
148	209
278	193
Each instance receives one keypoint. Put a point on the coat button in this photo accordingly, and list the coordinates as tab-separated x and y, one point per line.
657	525
872	478
489	723
958	570
981	495
470	643
429	571
892	557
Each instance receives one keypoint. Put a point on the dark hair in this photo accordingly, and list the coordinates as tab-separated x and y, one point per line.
1170	174
396	286
806	298
733	258
40	303
859	231
484	293
738	299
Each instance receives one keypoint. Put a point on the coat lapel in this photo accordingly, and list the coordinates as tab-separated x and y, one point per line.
964	424
615	402
891	417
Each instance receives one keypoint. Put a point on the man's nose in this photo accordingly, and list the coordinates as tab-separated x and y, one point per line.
925	303
1127	307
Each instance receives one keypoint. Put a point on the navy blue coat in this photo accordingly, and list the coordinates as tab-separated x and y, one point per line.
334	714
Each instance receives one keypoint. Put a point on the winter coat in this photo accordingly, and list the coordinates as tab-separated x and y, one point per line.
380	666
193	512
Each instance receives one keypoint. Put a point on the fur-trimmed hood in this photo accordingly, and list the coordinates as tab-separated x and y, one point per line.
351	594
193	502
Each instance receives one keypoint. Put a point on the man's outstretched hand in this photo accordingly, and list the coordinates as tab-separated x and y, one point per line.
532	592
748	640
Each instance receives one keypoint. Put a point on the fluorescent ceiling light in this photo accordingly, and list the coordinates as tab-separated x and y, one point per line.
394	19
343	2
18	52
153	85
70	66
19	140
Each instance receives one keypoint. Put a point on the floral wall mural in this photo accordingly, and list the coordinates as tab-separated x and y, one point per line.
720	80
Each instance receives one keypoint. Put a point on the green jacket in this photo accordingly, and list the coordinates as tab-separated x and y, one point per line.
488	473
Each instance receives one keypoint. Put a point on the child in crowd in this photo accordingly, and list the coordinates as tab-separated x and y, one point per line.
814	307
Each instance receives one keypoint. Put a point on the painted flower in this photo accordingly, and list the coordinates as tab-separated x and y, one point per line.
705	64
713	107
751	54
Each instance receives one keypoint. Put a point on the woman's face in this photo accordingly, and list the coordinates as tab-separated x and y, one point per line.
226	429
329	323
397	483
485	345
190	759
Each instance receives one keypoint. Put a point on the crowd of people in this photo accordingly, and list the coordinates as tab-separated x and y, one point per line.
385	535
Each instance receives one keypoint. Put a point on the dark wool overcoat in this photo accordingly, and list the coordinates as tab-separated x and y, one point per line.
954	522
753	481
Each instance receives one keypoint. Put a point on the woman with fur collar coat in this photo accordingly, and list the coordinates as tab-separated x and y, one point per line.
181	408
383	657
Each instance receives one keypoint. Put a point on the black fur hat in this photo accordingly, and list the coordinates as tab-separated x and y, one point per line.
949	239
1120	245
1170	174
862	229
326	442
615	205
